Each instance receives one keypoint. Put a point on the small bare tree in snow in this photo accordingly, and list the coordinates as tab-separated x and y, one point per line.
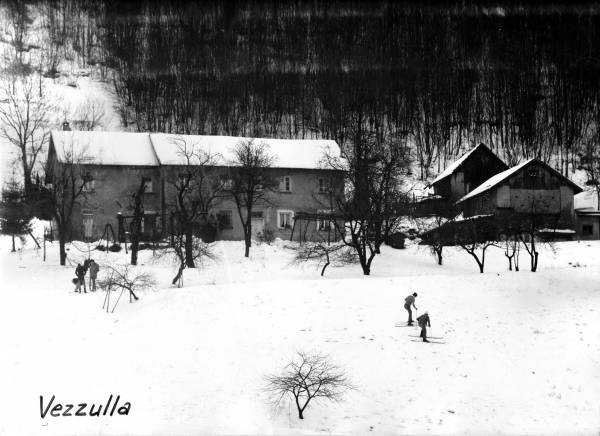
125	278
512	250
181	248
324	254
311	376
476	236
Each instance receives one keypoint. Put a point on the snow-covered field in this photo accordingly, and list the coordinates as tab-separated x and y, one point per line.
521	352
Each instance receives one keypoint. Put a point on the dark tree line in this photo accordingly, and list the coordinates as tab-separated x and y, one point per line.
523	78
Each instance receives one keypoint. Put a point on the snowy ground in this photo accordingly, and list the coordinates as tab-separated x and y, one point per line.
522	351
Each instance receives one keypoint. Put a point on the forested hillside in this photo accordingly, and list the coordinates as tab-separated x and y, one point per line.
523	79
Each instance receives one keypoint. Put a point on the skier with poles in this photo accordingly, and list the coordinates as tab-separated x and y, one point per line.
424	322
408	302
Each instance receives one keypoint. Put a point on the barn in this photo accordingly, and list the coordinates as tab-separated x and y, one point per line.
465	174
531	188
468	172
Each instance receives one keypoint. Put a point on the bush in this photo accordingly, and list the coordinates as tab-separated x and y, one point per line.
267	236
396	240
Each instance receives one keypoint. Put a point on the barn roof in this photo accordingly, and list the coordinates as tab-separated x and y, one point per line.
458	163
504	175
154	149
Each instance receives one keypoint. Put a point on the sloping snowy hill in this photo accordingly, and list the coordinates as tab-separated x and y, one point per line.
521	352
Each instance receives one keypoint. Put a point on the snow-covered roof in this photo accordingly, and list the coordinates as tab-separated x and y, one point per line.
287	153
104	148
563	231
154	149
494	180
500	177
586	201
456	164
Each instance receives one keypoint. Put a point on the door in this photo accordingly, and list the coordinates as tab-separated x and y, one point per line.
258	222
88	225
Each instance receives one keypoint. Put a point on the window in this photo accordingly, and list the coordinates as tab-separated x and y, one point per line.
285	185
148	186
256	214
89	185
285	219
227	184
325	223
225	219
322	184
587	230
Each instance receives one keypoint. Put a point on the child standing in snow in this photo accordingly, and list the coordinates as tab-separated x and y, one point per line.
424	322
94	268
408	301
80	273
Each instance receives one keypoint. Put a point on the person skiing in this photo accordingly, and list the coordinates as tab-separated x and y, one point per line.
80	273
424	322
408	302
94	268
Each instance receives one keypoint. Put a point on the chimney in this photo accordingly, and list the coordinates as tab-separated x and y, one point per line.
66	125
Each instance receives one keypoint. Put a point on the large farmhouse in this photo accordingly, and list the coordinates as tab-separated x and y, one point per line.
115	163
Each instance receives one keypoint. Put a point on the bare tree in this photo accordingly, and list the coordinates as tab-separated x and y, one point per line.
89	115
372	202
24	123
475	236
512	250
180	250
589	161
441	233
17	23
251	182
14	214
125	278
312	376
196	191
135	227
65	189
324	254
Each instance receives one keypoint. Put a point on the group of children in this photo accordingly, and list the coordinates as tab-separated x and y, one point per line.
423	320
81	271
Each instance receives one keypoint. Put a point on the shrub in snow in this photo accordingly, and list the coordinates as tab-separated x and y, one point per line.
266	236
325	254
309	377
124	278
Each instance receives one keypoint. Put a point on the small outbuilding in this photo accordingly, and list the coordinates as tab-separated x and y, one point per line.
587	215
